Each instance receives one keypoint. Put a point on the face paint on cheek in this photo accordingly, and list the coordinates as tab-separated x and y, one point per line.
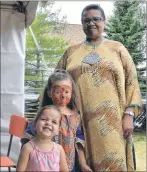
64	100
61	99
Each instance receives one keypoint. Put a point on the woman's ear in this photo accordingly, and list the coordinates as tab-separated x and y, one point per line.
105	22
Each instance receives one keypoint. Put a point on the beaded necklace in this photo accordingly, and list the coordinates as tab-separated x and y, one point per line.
92	57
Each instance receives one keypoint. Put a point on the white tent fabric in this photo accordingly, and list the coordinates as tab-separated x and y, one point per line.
13	37
30	14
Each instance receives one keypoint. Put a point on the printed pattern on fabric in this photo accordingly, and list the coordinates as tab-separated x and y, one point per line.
107	121
106	89
114	162
67	137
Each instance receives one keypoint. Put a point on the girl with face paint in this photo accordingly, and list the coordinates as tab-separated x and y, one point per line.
61	92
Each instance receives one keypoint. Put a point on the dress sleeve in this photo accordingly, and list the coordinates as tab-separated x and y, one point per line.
80	134
132	90
62	62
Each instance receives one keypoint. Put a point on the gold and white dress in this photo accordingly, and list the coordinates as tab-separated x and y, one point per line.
106	88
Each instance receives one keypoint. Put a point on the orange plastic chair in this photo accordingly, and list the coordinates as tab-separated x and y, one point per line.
17	128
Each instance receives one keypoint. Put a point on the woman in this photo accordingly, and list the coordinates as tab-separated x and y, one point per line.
106	77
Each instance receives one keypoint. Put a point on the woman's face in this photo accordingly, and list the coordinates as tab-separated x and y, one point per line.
93	24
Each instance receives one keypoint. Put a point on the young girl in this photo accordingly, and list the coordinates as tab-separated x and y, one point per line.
61	92
41	153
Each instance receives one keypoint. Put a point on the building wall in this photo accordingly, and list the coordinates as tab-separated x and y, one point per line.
73	34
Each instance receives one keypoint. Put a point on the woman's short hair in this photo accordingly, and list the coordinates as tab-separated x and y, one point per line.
93	7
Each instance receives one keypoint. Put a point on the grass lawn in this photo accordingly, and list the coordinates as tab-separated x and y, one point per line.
140	150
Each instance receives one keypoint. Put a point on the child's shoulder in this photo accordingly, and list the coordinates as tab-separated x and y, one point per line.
75	113
27	147
78	116
58	146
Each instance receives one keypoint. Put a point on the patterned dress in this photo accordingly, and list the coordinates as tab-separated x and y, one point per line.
70	134
106	88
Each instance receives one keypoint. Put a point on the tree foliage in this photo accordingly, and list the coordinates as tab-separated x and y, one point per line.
46	27
128	25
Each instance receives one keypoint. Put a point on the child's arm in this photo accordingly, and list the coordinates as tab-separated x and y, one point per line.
24	157
63	162
82	159
80	143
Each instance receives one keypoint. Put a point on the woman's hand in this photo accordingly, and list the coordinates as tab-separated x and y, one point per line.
85	168
127	126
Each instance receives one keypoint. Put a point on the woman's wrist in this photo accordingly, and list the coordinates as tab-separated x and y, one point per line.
130	113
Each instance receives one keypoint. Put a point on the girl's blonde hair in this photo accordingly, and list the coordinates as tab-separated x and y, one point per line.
40	111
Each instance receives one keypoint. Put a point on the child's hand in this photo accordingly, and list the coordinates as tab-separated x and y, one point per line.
82	159
86	168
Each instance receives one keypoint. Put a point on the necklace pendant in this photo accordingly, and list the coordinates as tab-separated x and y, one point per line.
92	58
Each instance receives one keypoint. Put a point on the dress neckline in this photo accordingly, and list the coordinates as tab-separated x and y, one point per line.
68	115
37	148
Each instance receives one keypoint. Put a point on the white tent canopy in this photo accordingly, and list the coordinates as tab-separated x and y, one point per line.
15	17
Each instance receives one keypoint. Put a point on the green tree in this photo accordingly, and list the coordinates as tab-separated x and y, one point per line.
46	25
127	25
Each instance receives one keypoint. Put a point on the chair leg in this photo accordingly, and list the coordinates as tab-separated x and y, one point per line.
9	169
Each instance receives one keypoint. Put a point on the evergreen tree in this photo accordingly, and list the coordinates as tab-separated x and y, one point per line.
127	25
46	25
